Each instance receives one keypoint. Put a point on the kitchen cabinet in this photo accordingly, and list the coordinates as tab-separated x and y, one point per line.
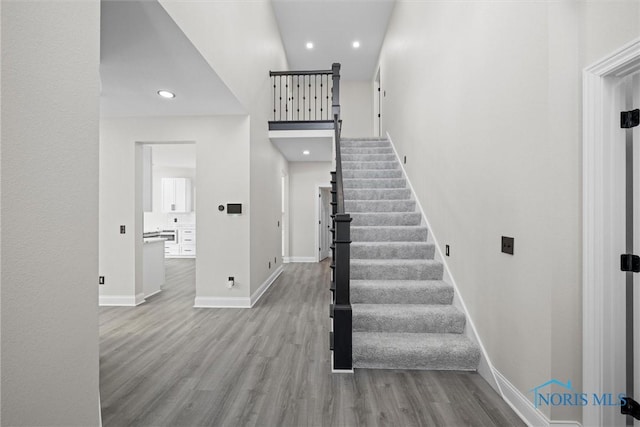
176	195
185	244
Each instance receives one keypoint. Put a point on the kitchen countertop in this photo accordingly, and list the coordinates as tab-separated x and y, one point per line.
153	239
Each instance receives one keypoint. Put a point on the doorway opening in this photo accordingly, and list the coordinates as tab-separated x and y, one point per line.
166	197
323	220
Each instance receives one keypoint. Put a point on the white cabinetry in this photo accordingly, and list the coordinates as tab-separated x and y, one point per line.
176	195
185	244
187	239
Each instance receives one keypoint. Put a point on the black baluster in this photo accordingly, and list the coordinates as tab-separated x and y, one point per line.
321	118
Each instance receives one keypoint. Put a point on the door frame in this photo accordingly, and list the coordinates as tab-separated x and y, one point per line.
318	189
602	208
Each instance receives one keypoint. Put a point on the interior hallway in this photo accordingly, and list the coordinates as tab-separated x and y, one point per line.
166	363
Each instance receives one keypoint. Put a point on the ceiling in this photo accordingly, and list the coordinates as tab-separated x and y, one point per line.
293	143
332	26
142	50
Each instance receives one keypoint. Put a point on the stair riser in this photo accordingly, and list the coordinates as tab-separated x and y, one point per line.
364	144
368	157
377	194
373	150
370	165
450	323
376	173
389	234
380	206
446	361
428	271
388	218
399	251
374	183
400	295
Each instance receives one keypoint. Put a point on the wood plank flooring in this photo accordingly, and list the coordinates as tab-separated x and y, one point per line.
165	363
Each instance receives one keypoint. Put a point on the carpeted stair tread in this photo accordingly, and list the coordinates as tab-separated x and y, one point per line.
396	269
395	350
401	292
389	250
385	218
377	194
348	143
379	206
416	318
367	150
370	165
371	173
399	233
377	183
361	157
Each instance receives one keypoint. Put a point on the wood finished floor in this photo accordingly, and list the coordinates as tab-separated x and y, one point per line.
165	363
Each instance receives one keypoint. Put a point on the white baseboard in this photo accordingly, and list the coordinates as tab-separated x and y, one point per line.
222	302
524	407
265	285
289	259
238	302
120	300
153	293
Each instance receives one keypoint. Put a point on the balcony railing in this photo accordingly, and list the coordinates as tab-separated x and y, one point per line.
303	99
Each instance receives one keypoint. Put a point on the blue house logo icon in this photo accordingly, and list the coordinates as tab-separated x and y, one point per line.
548	398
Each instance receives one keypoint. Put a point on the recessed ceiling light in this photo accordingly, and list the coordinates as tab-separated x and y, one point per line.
356	44
306	152
166	94
309	45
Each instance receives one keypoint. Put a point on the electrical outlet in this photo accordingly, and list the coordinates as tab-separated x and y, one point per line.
101	280
405	160
269	264
446	250
507	245
275	260
122	229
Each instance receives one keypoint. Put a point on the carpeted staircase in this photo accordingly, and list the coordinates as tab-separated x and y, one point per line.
403	317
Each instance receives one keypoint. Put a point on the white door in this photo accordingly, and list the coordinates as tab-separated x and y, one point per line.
632	102
623	377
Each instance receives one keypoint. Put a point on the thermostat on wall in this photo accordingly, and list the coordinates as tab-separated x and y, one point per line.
234	208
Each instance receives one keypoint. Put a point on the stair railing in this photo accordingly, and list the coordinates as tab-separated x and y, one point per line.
340	310
301	100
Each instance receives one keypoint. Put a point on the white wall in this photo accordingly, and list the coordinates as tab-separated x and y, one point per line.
159	220
241	42
50	90
484	100
304	178
222	174
356	108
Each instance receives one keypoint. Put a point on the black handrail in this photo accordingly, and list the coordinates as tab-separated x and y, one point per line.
295	73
